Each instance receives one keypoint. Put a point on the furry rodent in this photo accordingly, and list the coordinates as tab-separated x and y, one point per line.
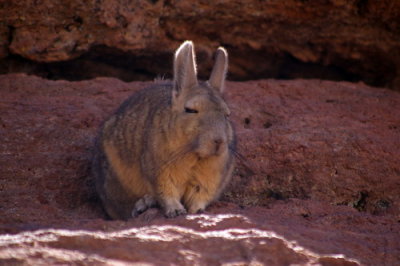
169	145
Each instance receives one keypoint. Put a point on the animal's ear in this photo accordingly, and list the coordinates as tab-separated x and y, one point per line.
185	75
218	74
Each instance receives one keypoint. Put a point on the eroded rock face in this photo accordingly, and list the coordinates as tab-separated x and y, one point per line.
318	165
339	40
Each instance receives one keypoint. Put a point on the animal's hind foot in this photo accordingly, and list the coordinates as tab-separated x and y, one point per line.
143	204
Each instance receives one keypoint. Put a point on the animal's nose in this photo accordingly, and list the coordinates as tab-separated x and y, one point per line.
218	143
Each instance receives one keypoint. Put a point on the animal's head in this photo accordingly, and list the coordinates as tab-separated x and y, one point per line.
200	113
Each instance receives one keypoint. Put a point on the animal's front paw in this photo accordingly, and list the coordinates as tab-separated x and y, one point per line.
198	207
174	212
174	208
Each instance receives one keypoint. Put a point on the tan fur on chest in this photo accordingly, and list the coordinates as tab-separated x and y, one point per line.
204	184
194	181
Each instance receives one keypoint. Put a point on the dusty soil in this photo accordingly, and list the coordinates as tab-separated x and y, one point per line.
331	39
317	180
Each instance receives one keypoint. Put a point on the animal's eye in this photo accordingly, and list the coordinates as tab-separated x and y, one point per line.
190	110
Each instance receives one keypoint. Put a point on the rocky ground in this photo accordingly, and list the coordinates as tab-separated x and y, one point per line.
317	179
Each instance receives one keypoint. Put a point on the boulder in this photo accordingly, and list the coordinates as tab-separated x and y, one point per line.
326	39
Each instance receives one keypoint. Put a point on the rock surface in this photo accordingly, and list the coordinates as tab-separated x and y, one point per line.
333	39
317	179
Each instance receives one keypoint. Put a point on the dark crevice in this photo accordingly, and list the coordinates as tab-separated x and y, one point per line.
11	31
99	62
111	62
362	7
361	202
274	194
78	20
267	124
293	68
247	121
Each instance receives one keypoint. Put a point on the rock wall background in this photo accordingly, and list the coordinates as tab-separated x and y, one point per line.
326	39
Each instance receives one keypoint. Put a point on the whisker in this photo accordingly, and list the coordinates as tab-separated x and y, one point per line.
242	159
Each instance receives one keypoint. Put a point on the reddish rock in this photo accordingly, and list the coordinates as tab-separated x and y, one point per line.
317	179
336	142
335	39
